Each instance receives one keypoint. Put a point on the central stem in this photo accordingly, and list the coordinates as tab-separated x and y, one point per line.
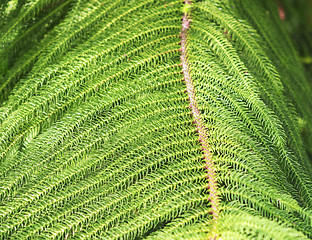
203	136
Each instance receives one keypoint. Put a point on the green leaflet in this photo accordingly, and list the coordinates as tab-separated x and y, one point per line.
98	139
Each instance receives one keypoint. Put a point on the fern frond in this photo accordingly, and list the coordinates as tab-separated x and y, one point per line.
152	119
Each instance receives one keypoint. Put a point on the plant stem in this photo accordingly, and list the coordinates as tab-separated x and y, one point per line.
203	136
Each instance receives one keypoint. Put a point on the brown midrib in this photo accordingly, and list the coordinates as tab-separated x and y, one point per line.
203	136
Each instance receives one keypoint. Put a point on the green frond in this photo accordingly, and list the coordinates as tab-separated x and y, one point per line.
152	119
252	227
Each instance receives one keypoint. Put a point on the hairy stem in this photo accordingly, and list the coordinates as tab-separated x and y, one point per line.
203	137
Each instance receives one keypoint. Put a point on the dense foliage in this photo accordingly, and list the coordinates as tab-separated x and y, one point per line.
98	137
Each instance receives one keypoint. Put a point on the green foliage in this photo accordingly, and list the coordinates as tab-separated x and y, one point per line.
97	139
